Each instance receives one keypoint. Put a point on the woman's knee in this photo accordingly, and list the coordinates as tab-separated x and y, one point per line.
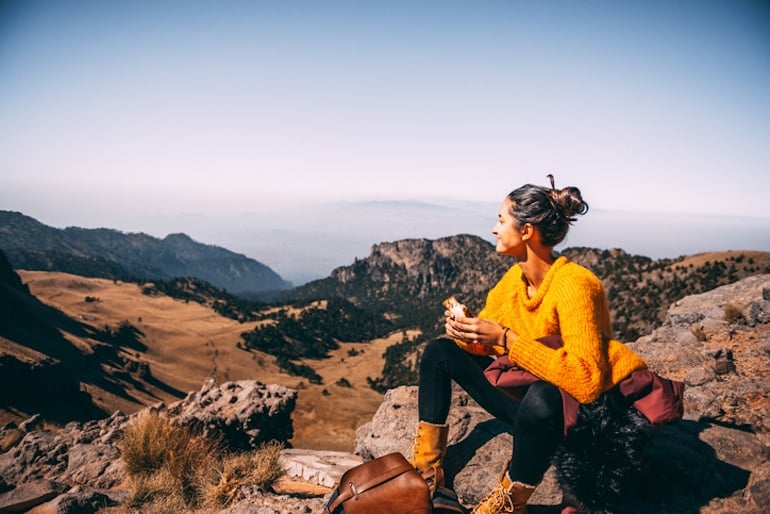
438	350
541	404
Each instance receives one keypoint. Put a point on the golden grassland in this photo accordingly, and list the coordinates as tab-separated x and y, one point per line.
762	259
188	342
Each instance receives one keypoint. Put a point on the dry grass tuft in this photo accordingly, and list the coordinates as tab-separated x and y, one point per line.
733	315
157	493
170	469
256	469
12	437
165	461
699	332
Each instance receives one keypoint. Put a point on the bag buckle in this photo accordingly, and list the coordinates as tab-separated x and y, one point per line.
353	489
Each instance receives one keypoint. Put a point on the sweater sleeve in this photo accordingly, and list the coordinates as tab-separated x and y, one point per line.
581	366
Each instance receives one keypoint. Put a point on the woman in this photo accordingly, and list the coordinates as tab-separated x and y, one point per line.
540	295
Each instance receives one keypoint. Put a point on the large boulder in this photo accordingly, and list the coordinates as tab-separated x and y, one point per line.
78	453
244	413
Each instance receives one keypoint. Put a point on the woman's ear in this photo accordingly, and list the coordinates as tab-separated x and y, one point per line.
527	231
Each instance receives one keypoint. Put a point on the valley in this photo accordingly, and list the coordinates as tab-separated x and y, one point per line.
185	342
130	349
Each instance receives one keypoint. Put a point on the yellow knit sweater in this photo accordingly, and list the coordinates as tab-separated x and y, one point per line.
570	302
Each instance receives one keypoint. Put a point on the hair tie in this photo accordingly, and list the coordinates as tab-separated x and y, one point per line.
553	196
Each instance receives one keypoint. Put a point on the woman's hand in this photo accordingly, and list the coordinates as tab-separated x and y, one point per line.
474	330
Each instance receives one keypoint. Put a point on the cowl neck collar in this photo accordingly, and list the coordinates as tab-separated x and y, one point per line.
535	301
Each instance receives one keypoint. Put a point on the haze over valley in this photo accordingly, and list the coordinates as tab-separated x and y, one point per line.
306	240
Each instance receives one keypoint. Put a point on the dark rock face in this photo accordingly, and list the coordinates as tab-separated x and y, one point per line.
408	275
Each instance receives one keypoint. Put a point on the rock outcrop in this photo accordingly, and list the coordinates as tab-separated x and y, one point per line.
243	413
82	460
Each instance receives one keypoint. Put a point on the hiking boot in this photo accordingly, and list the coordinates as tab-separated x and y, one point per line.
507	497
430	443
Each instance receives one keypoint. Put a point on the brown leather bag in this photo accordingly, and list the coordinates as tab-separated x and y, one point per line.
385	485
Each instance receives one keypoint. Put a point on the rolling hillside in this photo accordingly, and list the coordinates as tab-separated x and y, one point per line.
73	347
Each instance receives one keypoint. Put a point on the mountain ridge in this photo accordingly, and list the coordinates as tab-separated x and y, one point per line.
110	253
409	278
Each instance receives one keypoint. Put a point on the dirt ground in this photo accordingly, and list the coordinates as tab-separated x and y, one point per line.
187	342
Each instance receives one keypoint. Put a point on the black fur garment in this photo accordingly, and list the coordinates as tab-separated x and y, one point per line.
602	455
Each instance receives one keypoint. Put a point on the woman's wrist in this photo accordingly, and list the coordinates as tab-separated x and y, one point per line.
505	339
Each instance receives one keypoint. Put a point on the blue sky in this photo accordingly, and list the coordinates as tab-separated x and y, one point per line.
136	114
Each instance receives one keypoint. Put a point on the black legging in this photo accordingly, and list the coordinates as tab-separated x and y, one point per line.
537	419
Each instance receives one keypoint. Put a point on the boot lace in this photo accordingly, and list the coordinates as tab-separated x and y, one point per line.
498	501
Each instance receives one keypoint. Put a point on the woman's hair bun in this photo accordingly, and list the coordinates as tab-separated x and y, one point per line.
568	201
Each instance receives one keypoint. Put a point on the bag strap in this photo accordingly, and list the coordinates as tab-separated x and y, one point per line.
351	490
332	505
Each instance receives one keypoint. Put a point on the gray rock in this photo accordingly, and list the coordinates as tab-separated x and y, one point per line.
33	423
80	500
29	495
316	466
760	492
727	377
98	465
759	312
243	413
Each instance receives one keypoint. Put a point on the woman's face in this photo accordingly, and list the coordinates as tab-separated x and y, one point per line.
508	233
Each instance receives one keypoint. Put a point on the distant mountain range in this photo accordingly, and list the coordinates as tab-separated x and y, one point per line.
104	252
403	280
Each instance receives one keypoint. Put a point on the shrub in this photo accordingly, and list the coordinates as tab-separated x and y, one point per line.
155	493
699	332
344	382
733	315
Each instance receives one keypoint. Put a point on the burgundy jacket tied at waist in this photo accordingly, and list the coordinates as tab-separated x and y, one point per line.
658	399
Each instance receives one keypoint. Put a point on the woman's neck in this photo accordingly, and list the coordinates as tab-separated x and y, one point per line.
535	268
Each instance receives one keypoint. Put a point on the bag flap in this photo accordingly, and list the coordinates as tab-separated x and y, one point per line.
370	474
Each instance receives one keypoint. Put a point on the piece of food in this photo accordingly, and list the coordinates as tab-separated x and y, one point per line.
454	306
